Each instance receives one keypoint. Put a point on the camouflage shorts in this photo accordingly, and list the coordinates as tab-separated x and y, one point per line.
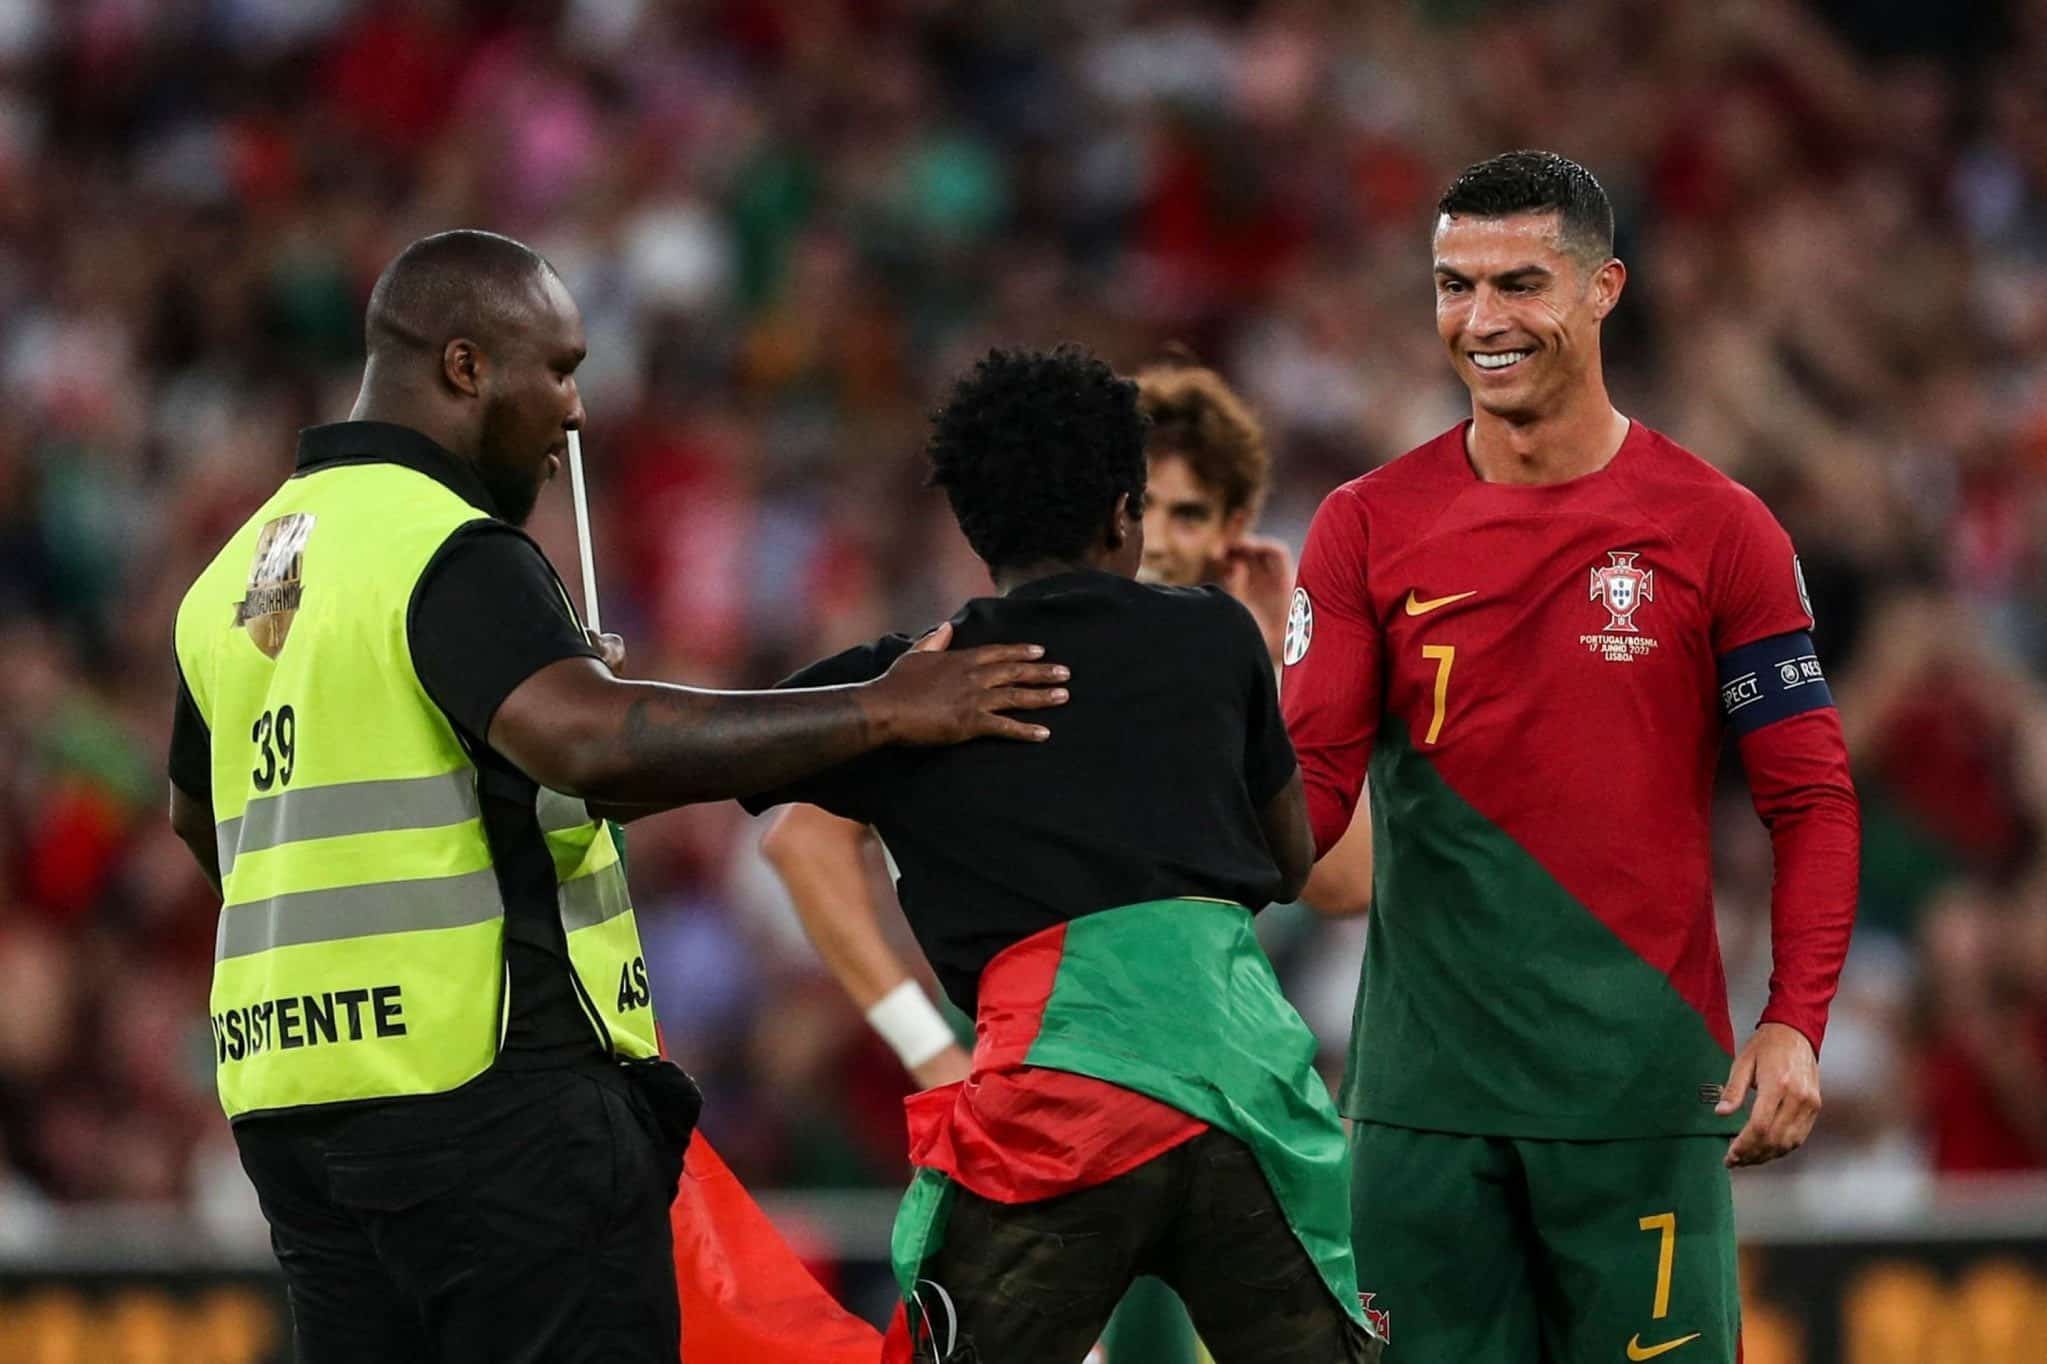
1035	1283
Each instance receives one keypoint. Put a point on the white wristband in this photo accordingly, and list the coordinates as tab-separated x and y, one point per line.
908	1021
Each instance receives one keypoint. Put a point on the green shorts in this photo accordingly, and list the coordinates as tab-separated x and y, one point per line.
1495	1250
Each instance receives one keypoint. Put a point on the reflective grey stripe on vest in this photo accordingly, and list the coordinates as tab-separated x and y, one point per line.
590	900
356	912
355	807
558	812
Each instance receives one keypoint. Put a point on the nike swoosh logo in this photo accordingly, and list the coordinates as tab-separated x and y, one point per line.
1417	607
1638	1351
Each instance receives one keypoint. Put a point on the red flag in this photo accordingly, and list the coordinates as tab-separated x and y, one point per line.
746	1298
896	1347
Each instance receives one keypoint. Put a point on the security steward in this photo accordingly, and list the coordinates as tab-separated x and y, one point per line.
395	753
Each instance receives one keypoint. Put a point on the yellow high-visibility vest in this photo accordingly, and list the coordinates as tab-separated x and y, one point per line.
360	950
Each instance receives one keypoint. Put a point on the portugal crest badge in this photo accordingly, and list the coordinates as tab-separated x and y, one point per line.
1622	588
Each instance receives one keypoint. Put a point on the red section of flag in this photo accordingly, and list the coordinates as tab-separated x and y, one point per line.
1014	989
1017	1133
897	1347
746	1298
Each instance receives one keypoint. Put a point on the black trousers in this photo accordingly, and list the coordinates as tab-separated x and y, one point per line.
1034	1283
522	1219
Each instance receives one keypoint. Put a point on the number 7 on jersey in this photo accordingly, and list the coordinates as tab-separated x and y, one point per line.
1445	656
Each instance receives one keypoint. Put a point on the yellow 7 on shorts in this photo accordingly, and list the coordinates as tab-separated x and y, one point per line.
1664	1223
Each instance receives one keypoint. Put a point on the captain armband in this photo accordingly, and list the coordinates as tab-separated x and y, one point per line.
911	1024
1770	680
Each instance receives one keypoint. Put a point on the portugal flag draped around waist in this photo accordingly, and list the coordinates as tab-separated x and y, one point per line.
1174	1000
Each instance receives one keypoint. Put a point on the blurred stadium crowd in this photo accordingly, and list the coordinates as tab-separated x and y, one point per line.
788	224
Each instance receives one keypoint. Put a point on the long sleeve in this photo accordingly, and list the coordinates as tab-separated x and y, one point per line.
1330	690
1798	777
1777	703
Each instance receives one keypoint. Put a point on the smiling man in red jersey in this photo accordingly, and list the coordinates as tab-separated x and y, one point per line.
1533	632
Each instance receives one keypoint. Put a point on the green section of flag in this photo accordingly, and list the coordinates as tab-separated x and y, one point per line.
1493	1002
1176	1000
919	1232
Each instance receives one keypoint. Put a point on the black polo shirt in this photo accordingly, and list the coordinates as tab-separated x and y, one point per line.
1150	787
487	613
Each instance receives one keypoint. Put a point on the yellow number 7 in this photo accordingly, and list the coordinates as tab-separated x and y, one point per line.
1666	1255
1445	656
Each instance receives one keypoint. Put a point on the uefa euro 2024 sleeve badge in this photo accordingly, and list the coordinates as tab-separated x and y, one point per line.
1300	628
1621	588
275	586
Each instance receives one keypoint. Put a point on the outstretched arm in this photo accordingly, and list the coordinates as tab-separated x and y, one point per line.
1259	572
1330	687
578	729
822	861
495	646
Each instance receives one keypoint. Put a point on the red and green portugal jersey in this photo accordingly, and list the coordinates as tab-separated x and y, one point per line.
1536	679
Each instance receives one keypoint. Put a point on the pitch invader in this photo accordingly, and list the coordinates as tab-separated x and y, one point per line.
1533	632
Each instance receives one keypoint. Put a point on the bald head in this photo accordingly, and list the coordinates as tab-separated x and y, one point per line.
474	341
465	283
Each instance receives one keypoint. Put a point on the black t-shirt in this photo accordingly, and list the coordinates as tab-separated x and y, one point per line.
1149	788
191	761
487	613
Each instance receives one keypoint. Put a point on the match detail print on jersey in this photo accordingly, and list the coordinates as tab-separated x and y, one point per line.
1770	680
